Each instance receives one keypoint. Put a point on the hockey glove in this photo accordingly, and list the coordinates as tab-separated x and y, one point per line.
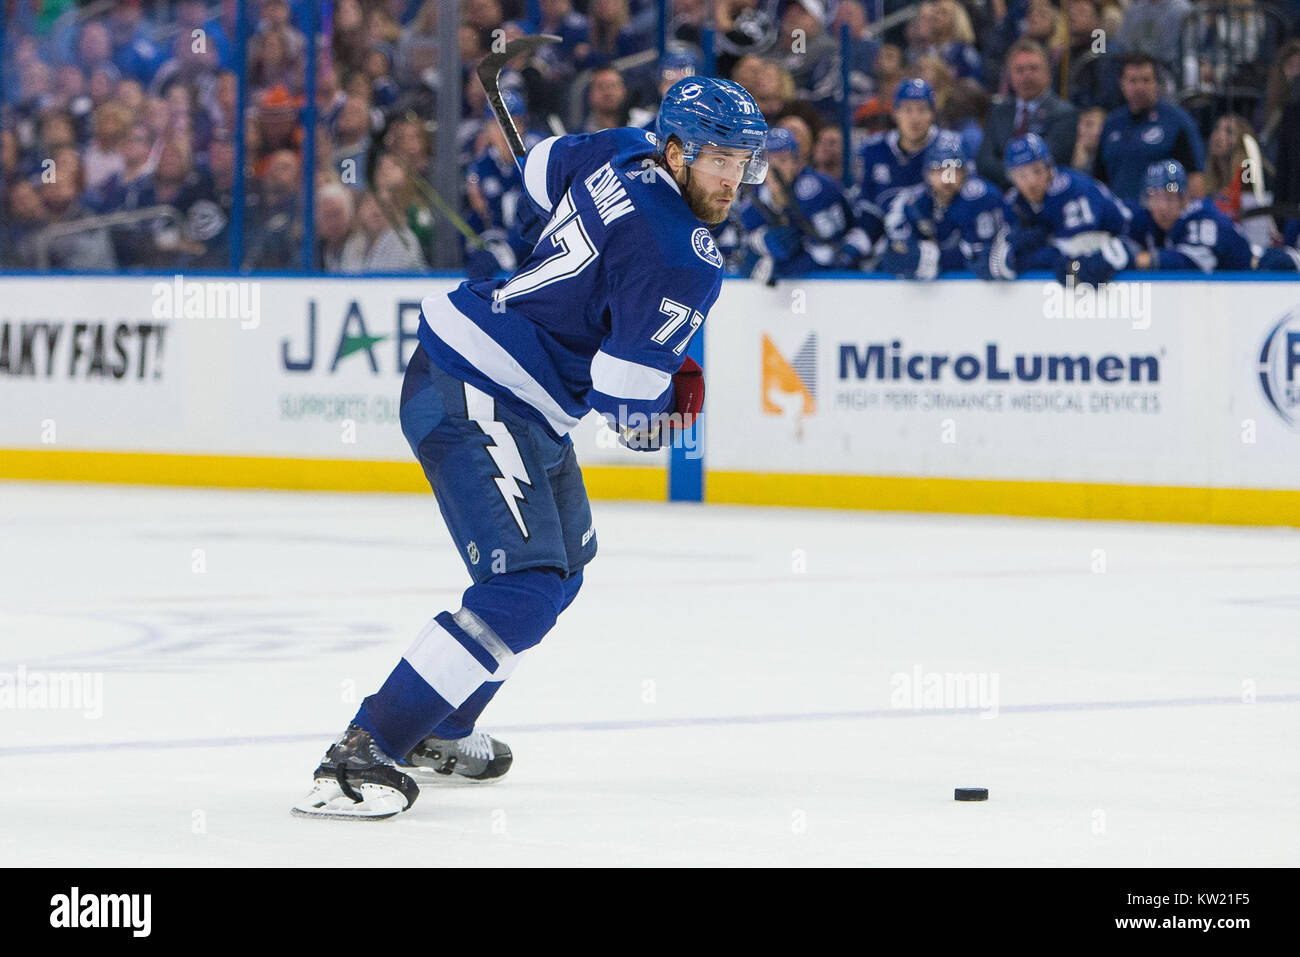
688	400
1279	259
911	258
782	242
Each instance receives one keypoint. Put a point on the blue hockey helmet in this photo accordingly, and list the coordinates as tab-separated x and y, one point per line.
780	140
680	63
704	111
1166	176
946	152
514	103
914	89
1027	149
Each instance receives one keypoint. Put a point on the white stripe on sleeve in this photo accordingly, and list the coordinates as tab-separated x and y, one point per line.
626	380
535	166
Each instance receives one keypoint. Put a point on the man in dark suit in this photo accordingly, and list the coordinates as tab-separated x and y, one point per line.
1033	109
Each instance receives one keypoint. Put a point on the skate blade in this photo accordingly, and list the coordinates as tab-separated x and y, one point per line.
327	800
428	776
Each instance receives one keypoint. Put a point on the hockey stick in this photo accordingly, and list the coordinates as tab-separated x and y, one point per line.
1256	165
489	75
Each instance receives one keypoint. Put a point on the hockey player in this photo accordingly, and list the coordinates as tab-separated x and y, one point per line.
944	224
893	161
799	221
494	188
599	316
1057	219
1172	231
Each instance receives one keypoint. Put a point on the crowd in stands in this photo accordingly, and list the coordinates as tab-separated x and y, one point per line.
119	127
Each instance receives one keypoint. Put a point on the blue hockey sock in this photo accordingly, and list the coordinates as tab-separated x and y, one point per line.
461	722
459	661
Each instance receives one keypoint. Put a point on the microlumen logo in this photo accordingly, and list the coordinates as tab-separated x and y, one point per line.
790	383
1278	362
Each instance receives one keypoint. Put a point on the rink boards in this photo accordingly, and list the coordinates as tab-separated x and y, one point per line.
1168	400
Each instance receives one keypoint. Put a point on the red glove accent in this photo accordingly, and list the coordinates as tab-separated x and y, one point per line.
688	388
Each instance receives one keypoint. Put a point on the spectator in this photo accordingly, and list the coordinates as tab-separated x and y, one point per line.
1155	28
1283	89
1176	232
1144	131
952	38
966	113
1094	58
1045	26
828	152
134	53
121	189
608	35
274	229
103	84
352	136
103	157
809	55
272	62
675	65
397	195
177	183
863	50
559	18
94	48
84	250
774	89
278	127
1089	138
417	49
377	245
748	72
1033	108
1226	178
24	216
130	94
333	225
606	101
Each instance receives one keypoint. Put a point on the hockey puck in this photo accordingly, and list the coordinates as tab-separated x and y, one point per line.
970	794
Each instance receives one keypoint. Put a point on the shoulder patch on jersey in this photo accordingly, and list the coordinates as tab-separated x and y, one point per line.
806	187
704	246
1060	183
654	140
974	188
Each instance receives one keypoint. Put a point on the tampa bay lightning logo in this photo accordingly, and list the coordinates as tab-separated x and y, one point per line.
690	91
1279	361
704	246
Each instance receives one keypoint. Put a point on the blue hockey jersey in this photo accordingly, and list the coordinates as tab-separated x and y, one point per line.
884	168
1201	238
600	313
1078	214
823	232
960	231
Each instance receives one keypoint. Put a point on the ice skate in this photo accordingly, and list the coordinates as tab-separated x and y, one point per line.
357	781
476	757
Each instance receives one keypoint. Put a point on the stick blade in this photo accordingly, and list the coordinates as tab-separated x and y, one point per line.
490	66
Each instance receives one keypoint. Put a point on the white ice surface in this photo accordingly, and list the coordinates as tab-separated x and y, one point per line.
703	702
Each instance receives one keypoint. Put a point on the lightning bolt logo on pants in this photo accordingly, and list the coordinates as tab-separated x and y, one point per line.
481	409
